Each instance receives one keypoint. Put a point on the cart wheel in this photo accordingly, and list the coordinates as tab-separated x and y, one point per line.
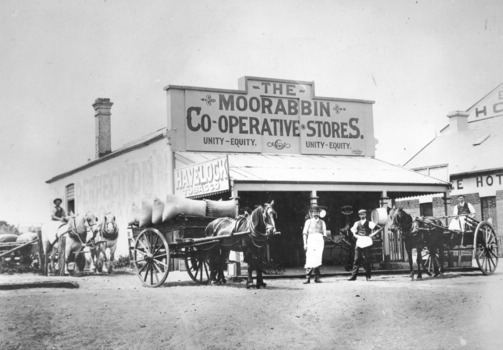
428	261
151	257
197	264
486	248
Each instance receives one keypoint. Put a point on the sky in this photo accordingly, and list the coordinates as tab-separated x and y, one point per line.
418	60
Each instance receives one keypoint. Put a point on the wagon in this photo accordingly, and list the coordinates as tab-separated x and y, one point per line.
16	248
153	249
477	242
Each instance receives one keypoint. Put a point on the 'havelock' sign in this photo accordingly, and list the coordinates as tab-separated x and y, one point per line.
203	178
276	116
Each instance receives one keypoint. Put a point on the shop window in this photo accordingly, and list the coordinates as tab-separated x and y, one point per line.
426	209
70	198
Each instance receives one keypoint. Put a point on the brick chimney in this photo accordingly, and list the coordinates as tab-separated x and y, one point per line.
458	121
103	132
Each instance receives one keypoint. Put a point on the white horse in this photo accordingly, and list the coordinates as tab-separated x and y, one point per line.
105	238
75	230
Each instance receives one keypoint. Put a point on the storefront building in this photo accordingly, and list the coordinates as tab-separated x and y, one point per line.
467	152
269	140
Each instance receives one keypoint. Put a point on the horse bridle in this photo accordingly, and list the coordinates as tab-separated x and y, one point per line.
259	239
74	231
405	232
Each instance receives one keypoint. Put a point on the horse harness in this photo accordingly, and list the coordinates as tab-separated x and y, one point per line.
72	232
259	239
407	232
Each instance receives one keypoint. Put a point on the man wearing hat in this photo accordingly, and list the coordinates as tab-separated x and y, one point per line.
362	227
58	213
461	210
313	233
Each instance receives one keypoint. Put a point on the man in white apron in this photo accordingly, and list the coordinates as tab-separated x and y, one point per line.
314	232
362	227
462	208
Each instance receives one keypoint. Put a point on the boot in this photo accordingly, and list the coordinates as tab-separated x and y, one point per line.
308	276
317	275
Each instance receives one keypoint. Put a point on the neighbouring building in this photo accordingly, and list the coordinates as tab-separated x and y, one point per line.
269	140
466	152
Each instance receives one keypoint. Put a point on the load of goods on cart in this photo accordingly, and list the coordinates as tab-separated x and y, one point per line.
24	248
200	233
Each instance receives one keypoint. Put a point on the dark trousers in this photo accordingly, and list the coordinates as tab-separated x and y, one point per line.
361	255
310	270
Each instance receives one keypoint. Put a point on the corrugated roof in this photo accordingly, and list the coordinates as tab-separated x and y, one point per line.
476	149
283	168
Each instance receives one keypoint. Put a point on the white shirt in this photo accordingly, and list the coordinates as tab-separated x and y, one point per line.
470	207
315	221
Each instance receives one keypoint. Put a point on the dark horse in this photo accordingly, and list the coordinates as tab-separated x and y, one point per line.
420	234
260	225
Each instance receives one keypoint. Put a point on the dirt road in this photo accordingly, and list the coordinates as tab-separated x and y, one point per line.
390	312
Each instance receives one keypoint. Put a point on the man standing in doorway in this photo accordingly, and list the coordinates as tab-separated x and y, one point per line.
362	227
314	232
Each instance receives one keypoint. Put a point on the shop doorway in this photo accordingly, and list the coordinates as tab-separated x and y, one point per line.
293	208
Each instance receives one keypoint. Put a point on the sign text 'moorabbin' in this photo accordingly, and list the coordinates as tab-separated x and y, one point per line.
275	117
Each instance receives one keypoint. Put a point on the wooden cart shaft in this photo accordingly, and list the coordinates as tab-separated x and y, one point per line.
18	246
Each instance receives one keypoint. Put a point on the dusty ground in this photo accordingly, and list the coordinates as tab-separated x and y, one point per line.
390	312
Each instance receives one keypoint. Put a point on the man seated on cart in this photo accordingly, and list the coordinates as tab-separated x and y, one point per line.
462	209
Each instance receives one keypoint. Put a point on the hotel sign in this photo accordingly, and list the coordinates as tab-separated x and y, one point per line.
203	178
490	106
275	116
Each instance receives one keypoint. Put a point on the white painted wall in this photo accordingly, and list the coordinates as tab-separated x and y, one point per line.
115	184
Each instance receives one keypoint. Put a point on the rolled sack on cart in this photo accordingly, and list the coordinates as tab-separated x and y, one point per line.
175	205
221	209
157	211
28	237
146	213
8	238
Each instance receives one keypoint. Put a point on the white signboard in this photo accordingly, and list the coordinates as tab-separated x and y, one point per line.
485	185
489	106
203	178
276	117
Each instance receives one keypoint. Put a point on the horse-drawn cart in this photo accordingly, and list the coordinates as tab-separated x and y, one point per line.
477	238
154	249
22	248
199	240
